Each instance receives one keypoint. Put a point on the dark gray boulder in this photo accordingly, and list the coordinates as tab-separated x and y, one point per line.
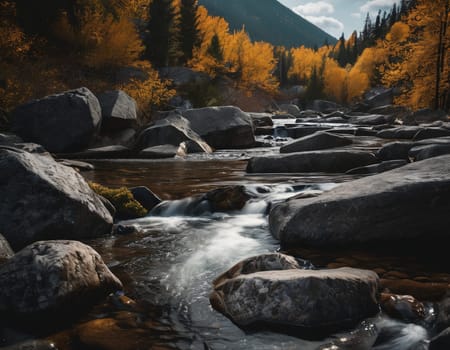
327	161
145	197
397	111
118	110
373	119
106	152
222	127
261	119
5	249
9	139
360	212
378	168
66	122
401	132
378	97
307	299
42	199
429	133
395	150
56	277
290	108
317	141
429	151
172	130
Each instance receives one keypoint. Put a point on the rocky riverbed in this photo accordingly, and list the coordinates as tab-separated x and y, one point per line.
314	229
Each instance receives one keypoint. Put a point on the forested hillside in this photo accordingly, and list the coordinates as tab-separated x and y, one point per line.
268	20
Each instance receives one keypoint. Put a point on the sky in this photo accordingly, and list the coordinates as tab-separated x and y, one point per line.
338	16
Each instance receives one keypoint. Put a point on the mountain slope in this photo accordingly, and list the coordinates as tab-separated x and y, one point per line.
268	20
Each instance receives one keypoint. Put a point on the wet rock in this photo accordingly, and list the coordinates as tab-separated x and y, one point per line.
395	150
173	130
189	147
441	341
59	277
378	168
375	119
227	198
32	148
397	111
310	114
106	152
362	338
316	141
365	132
342	297
261	119
118	110
72	210
159	152
32	345
403	307
401	132
264	130
429	133
222	127
5	249
123	230
327	161
429	151
360	212
302	131
66	122
282	116
145	197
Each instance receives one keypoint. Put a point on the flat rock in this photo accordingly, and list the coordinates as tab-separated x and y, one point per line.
395	150
360	212
378	168
72	210
327	161
145	197
429	133
222	127
65	122
308	299
375	119
118	110
429	151
54	276
159	152
316	141
401	132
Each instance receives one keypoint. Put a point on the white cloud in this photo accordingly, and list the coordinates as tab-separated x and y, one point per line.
373	6
329	24
314	8
356	15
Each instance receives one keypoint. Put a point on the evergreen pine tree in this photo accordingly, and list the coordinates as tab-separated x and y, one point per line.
342	56
189	32
215	49
162	40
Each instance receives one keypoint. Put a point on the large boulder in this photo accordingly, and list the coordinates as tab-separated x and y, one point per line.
378	168
401	132
433	132
317	141
327	161
312	300
371	119
261	119
290	108
395	150
172	130
42	199
429	151
118	110
222	127
305	130
54	276
408	203
61	123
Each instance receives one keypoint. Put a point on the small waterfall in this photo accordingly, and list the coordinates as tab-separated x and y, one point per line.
400	336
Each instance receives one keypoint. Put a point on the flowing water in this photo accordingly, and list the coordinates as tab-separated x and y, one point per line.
170	262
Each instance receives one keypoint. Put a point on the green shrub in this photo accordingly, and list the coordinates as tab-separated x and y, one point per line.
122	199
